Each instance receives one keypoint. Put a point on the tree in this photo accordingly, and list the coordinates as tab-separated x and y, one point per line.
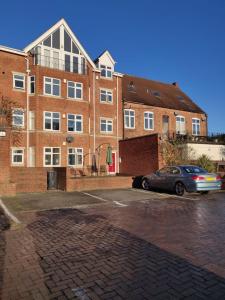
176	152
205	162
6	113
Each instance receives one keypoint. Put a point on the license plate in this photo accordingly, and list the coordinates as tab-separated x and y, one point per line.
210	178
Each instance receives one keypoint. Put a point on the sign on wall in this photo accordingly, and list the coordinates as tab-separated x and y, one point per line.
2	133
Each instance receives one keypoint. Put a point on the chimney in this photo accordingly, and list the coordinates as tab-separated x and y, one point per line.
175	84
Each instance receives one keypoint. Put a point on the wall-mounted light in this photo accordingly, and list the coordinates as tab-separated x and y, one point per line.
203	120
175	114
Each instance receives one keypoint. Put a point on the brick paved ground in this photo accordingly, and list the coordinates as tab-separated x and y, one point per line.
166	249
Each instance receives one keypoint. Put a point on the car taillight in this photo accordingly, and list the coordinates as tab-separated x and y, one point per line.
218	177
196	177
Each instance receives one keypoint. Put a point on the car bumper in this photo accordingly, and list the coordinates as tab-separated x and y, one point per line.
208	186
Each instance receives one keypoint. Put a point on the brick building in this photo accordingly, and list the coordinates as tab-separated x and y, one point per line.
68	109
154	107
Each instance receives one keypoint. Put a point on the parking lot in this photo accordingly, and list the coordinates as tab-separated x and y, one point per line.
114	244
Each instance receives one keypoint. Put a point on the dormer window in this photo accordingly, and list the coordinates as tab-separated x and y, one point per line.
106	71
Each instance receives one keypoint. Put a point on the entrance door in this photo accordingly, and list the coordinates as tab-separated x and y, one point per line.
165	125
112	167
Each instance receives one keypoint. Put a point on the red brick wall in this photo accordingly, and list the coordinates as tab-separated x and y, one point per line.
158	115
94	183
29	179
139	156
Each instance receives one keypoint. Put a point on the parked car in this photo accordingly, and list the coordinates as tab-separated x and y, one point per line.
181	179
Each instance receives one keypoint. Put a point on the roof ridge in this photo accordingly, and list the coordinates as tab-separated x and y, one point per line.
147	79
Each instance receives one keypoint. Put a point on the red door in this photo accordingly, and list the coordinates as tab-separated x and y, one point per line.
112	167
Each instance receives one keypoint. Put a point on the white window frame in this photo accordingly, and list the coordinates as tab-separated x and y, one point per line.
51	83
51	153
107	68
149	118
22	80
107	121
32	80
184	122
75	120
107	94
20	116
51	112
75	87
199	123
129	116
76	150
13	155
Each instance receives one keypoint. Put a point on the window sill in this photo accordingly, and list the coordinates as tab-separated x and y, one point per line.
52	96
108	103
19	90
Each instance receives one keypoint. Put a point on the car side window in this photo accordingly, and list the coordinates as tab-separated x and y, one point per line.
164	171
174	171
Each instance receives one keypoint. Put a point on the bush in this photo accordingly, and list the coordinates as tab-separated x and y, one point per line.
205	162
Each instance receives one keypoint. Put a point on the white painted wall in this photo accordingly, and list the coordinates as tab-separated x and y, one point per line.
215	152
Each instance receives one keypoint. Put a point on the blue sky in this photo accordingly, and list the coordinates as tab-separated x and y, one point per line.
166	40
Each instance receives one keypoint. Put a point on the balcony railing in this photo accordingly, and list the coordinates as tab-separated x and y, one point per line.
59	64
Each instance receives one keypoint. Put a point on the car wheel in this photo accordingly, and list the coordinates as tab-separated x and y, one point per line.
180	189
145	184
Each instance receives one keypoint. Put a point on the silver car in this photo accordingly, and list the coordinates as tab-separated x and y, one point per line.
181	179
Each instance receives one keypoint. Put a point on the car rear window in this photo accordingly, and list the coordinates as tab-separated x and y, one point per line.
194	170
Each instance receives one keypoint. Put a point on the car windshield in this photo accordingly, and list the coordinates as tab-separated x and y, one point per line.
194	170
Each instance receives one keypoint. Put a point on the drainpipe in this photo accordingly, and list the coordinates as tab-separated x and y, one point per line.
117	125
28	108
94	108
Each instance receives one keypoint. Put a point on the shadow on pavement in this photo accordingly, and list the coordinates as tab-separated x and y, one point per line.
4	225
84	257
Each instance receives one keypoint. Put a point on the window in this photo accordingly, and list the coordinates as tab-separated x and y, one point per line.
106	96
196	126
52	86
18	118
106	125
32	84
74	123
17	156
51	120
46	58
51	156
75	157
74	90
129	118
194	170
19	81
180	125
106	71
148	120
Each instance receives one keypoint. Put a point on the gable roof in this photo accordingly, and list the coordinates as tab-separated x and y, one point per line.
107	53
158	94
51	30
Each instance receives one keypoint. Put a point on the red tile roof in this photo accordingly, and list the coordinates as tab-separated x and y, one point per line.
155	93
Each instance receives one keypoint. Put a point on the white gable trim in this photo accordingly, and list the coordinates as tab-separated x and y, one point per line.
109	56
12	50
51	30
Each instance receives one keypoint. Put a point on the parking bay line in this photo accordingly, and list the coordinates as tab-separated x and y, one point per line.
8	213
93	196
102	199
163	195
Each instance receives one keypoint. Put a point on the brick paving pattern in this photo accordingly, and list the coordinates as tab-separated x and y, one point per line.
73	254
